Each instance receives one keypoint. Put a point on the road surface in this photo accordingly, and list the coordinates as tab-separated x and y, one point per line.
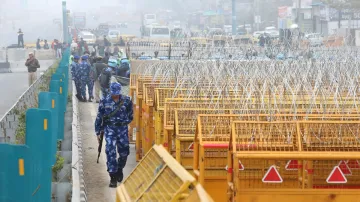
13	85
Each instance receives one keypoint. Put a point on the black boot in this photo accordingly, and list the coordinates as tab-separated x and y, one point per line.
120	175
113	183
81	99
90	99
78	97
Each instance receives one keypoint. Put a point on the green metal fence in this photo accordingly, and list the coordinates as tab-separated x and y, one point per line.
25	171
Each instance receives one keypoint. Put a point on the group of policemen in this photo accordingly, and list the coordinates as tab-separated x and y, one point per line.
83	75
115	111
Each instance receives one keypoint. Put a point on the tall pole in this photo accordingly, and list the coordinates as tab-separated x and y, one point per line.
233	17
298	15
65	26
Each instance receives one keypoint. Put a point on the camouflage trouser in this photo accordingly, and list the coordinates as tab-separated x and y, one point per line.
116	137
90	85
78	86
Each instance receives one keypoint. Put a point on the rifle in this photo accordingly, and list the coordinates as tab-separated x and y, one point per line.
102	133
100	146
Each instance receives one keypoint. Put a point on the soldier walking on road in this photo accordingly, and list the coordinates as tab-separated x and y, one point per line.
114	114
32	64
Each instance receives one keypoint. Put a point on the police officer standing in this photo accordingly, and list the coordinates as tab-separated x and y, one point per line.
114	114
105	76
99	67
75	70
84	75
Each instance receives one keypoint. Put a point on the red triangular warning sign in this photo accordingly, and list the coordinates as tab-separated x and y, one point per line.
353	164
292	165
272	176
241	166
191	146
344	168
336	176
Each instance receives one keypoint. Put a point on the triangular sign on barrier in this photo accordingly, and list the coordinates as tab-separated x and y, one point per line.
191	146
344	168
353	164
241	166
272	176
292	165
336	176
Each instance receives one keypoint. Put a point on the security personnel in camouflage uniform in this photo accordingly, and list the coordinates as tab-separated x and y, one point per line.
84	75
114	114
75	69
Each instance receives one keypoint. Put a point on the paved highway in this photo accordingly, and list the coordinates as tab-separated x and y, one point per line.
13	85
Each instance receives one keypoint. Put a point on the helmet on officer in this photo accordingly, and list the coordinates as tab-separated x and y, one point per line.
112	63
115	89
84	57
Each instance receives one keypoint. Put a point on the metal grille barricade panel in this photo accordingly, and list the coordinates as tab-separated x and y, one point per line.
158	177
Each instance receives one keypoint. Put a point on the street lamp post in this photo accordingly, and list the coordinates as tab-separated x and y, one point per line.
65	26
233	17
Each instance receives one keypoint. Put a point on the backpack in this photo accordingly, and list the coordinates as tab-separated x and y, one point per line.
104	78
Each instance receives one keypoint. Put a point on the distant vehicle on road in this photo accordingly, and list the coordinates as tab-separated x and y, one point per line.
160	32
149	19
273	34
123	25
269	29
114	36
177	25
314	39
89	37
258	34
228	29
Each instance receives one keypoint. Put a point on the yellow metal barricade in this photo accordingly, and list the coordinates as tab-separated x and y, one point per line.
185	128
294	161
158	177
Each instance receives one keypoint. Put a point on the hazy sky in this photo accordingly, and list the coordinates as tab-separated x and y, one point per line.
36	17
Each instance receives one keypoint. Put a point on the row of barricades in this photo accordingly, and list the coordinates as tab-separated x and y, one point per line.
26	171
165	115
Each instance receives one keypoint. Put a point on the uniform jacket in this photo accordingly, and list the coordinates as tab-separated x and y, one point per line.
75	70
124	116
84	70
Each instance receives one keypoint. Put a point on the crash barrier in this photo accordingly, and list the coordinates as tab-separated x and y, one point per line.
294	160
27	174
15	54
5	67
158	177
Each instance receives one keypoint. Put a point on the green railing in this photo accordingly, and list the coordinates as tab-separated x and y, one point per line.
26	174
